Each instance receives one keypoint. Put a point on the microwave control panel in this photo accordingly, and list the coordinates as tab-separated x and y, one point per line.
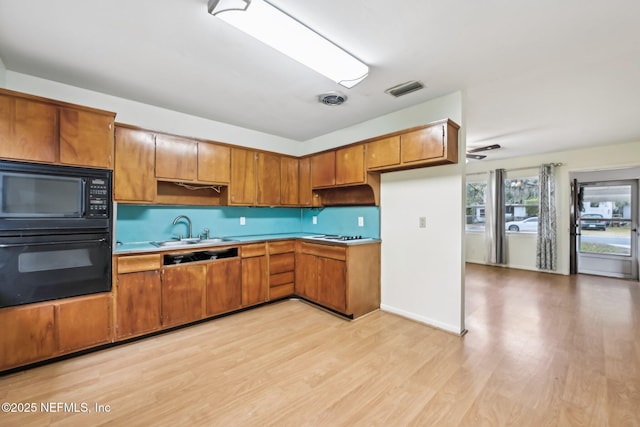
99	193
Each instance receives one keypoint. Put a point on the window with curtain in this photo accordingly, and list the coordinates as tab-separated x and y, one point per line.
476	204
522	204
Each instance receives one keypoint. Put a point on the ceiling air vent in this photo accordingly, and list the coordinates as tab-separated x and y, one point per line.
332	98
405	88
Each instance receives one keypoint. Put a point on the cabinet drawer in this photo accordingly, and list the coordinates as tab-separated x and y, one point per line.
282	247
281	263
249	251
281	279
326	251
281	291
130	264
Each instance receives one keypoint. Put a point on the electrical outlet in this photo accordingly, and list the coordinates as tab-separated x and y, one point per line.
314	219
360	221
423	222
243	220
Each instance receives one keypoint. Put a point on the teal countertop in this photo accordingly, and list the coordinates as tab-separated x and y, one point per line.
133	247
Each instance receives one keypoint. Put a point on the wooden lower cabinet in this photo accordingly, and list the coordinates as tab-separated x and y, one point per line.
37	332
83	322
223	286
255	285
281	269
343	278
182	294
27	335
138	303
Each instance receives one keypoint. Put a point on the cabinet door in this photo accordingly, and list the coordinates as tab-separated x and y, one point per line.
86	138
134	178
304	182
423	144
384	152
350	165
214	162
83	322
332	289
224	287
176	158
254	280
27	130
323	169
307	276
289	181
268	179
138	303
182	294
242	187
27	335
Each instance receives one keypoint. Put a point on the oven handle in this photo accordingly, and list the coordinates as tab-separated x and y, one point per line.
14	245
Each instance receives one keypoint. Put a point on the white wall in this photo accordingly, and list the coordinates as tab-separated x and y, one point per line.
3	74
150	117
521	249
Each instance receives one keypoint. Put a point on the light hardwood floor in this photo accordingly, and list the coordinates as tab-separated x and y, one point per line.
542	350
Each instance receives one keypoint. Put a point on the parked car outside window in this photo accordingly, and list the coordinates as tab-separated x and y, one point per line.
592	222
529	224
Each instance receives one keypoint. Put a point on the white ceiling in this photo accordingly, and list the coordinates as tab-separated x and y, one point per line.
537	76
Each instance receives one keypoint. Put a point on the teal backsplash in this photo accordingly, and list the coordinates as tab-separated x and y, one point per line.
142	223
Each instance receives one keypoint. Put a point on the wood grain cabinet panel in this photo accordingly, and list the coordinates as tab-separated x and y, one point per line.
306	284
214	163
332	283
254	280
423	144
176	158
289	181
28	130
305	197
138	303
242	187
350	165
384	152
86	138
134	170
83	322
182	294
28	335
323	169
268	179
224	286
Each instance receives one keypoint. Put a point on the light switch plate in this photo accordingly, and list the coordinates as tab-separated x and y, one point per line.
360	221
243	220
423	222
314	219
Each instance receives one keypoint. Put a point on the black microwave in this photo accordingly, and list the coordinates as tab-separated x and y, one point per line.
52	197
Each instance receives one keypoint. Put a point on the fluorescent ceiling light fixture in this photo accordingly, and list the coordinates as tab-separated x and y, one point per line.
284	33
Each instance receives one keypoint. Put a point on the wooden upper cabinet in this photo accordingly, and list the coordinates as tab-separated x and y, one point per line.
176	158
383	152
214	163
289	181
423	144
350	165
268	179
323	169
134	178
28	130
242	187
305	191
86	138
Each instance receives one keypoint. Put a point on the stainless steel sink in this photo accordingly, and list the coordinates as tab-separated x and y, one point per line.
193	242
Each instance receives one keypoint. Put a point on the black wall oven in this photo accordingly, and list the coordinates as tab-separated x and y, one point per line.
55	232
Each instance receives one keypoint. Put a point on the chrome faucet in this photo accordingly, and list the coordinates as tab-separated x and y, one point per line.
178	218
